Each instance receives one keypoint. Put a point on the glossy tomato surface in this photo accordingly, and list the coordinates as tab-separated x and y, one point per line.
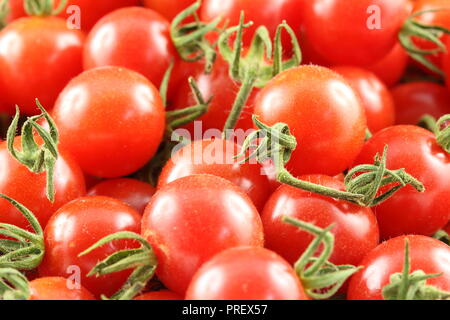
408	211
426	254
246	274
135	38
356	230
323	113
391	68
57	288
216	157
38	57
77	226
111	120
193	218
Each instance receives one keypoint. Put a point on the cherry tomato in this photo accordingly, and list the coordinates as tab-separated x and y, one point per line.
38	57
57	288
356	230
246	274
374	95
193	218
111	120
415	99
77	226
354	32
16	10
29	189
168	8
216	157
391	68
159	295
134	38
408	211
133	192
426	254
323	113
446	63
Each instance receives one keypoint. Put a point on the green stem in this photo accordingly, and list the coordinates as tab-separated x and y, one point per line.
13	285
44	8
4	12
443	132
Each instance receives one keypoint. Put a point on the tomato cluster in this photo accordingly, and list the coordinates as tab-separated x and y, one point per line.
224	150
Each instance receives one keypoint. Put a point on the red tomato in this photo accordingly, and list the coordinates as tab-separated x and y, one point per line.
29	189
246	274
415	99
268	13
16	10
222	89
38	57
77	226
356	230
354	32
57	288
168	8
426	254
216	157
111	120
323	113
134	38
391	68
446	63
133	192
416	150
193	218
374	95
159	295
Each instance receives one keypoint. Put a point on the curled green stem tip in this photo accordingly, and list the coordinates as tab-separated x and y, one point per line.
13	285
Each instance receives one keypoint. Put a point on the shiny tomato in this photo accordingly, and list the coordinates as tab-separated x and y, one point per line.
374	95
38	57
354	32
391	68
133	192
111	120
323	113
57	288
193	218
408	211
29	189
134	38
246	274
168	8
415	99
77	226
426	254
356	230
216	157
159	295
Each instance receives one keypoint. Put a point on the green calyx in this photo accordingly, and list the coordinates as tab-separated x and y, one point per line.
44	8
13	285
190	38
142	260
5	9
36	158
443	132
412	286
22	250
413	29
320	278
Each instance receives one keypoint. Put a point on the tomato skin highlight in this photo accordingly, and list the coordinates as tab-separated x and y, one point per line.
159	295
426	254
408	211
329	122
357	40
38	57
29	189
217	158
135	193
356	230
413	100
193	218
77	226
374	95
135	38
56	288
246	273
117	114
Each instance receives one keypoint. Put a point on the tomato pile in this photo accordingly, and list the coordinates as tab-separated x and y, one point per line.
224	149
